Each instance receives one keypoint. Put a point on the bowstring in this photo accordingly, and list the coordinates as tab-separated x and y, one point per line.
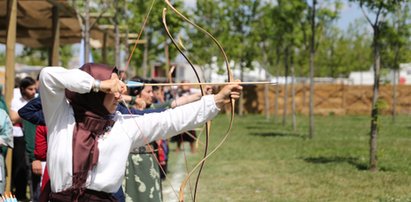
125	104
230	78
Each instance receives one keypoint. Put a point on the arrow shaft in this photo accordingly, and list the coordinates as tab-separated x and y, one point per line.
197	84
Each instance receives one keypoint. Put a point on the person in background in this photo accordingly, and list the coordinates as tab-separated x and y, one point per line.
27	91
142	178
2	101
162	144
159	101
6	140
147	165
185	92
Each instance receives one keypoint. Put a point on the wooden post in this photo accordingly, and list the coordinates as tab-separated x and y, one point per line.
266	102
343	97
104	49
116	36
145	59
86	34
10	47
54	56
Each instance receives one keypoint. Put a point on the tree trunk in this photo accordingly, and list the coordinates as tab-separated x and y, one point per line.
294	119
277	87
374	111
117	36
10	73
54	56
266	101
394	95
396	77
145	58
86	32
286	66
312	56
104	48
266	89
241	100
127	53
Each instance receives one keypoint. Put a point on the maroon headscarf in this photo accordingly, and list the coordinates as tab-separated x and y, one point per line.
92	119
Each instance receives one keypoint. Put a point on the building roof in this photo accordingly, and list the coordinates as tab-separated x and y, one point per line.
34	23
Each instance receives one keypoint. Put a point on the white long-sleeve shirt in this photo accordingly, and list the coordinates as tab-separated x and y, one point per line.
128	132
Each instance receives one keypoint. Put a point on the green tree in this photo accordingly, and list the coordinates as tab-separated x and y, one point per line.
39	56
2	58
128	17
394	42
270	42
359	55
153	51
320	18
380	9
342	52
288	21
268	45
232	23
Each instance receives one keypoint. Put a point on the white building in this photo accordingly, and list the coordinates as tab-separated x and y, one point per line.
361	78
404	74
367	77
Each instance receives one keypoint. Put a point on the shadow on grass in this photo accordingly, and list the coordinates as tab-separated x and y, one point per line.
337	159
257	127
340	159
277	134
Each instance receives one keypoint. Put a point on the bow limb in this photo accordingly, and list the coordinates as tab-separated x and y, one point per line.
139	34
229	72
230	78
185	181
170	74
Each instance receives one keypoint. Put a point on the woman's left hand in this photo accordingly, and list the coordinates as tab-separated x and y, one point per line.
230	91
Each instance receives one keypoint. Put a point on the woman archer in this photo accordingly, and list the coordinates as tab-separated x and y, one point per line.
88	141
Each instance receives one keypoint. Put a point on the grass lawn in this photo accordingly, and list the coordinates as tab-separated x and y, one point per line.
264	161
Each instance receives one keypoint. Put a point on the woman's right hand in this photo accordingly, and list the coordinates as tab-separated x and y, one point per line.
113	85
140	104
36	167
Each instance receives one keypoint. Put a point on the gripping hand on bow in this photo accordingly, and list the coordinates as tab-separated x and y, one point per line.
230	91
113	85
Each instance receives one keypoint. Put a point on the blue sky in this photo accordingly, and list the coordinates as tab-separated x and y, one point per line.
349	13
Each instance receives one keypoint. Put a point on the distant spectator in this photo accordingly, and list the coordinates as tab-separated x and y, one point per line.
6	140
26	92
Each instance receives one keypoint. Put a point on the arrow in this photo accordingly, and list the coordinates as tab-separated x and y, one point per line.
140	84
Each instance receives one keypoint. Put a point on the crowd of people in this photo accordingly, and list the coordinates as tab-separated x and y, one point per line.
82	135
